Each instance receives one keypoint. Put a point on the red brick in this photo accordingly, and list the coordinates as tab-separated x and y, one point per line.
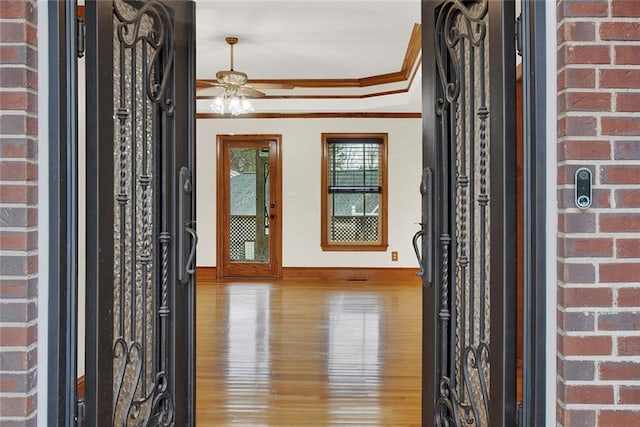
616	78
17	406
577	31
576	417
567	196
18	336
627	55
585	297
576	273
18	171
584	345
582	8
585	54
625	8
627	150
626	321
589	394
629	346
583	222
19	194
17	382
627	198
619	222
588	101
628	102
629	395
627	371
624	126
577	126
628	248
18	32
577	370
629	297
586	247
577	78
18	147
620	273
619	31
16	360
23	288
12	9
11	311
567	173
576	322
584	150
18	241
18	78
628	174
18	124
618	418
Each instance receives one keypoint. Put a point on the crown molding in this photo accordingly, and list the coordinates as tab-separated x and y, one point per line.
409	67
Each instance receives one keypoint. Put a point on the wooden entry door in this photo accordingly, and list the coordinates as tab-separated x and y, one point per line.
249	206
469	213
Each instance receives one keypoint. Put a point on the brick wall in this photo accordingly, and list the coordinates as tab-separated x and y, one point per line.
599	248
18	212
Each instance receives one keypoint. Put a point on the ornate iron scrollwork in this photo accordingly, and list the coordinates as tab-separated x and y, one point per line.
143	72
463	110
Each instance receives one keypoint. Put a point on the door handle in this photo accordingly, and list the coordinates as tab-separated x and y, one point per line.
426	261
187	236
190	266
416	236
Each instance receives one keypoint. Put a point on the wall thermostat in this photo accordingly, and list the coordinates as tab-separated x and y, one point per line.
583	188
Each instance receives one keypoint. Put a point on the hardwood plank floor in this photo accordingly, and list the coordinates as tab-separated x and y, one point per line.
308	354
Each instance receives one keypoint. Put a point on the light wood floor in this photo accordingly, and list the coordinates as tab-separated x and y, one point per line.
308	354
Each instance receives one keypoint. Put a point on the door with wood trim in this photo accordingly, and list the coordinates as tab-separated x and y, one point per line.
249	206
469	213
140	333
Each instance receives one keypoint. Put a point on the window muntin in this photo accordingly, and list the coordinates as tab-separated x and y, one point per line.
354	192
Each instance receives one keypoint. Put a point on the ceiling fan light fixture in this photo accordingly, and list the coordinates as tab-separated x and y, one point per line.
231	103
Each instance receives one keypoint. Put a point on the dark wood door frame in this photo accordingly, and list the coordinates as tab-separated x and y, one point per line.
274	267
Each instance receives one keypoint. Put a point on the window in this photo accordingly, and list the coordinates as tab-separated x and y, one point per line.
354	192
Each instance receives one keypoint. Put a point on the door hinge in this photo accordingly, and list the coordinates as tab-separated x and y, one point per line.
80	37
519	414
79	416
519	35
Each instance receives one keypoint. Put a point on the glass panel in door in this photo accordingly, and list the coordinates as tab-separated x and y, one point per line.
249	205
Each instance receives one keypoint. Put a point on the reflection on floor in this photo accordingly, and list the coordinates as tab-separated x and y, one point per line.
308	354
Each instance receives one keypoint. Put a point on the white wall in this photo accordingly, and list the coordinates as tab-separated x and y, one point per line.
301	158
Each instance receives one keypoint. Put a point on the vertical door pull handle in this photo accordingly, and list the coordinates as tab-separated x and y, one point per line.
426	189
190	266
186	229
416	249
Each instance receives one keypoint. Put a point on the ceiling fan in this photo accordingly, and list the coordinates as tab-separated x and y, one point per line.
235	83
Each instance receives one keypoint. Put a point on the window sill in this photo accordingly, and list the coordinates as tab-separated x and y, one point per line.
353	247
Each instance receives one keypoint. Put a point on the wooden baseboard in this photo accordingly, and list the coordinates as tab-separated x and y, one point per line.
206	274
354	274
80	387
350	274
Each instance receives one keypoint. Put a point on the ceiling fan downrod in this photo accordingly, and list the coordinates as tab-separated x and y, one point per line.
231	41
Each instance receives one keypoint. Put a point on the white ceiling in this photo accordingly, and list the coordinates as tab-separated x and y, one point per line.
305	39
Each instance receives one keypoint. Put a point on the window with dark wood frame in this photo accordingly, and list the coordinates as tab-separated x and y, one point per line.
354	192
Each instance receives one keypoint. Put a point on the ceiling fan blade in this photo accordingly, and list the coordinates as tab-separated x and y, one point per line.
206	83
250	92
271	85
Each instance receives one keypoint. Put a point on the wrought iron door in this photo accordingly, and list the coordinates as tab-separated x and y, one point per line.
140	206
469	215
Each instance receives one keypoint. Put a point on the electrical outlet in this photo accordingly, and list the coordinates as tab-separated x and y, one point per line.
394	255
